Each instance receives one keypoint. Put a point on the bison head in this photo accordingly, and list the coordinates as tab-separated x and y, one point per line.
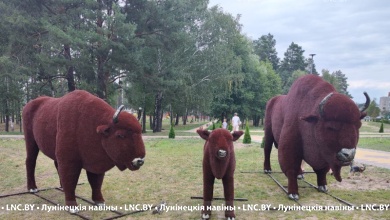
336	130
219	149
122	141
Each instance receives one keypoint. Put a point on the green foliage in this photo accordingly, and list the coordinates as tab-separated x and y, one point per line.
171	132
213	127
293	60
247	136
230	127
381	130
193	56
338	80
373	109
264	47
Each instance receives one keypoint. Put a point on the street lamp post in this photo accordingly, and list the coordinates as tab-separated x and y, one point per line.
312	62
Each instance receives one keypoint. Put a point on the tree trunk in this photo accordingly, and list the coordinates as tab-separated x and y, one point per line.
144	121
6	115
177	119
69	74
185	117
151	122
102	75
157	120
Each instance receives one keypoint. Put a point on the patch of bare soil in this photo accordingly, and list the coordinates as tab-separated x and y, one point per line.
371	179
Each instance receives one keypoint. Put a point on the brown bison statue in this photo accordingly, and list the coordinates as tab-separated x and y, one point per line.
80	131
314	123
218	162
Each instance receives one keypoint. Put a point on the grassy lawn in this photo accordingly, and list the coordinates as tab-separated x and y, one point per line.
173	173
375	143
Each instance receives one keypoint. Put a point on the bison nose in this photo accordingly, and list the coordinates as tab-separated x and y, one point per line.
346	155
222	153
137	162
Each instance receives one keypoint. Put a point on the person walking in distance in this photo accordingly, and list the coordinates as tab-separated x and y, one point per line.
236	122
224	124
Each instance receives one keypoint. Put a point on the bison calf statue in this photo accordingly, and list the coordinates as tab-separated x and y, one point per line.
314	123
80	131
218	162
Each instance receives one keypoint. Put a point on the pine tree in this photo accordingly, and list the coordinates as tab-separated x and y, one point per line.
381	128
247	136
172	132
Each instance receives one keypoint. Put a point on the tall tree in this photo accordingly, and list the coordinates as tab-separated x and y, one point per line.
293	60
264	47
338	80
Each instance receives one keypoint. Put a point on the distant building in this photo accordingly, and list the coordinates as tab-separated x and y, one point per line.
384	103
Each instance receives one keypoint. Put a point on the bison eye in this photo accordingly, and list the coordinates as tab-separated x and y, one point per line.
120	136
330	128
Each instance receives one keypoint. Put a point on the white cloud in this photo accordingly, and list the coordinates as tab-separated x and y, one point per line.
368	84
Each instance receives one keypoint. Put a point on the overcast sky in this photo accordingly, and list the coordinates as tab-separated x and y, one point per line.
348	35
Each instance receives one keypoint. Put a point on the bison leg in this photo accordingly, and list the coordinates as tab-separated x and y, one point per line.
228	189
290	163
32	154
69	176
96	181
56	165
208	189
321	179
269	140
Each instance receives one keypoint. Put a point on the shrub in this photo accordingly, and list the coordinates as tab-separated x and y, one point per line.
247	136
230	127
171	132
381	128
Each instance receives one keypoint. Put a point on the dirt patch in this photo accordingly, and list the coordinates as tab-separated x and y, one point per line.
371	179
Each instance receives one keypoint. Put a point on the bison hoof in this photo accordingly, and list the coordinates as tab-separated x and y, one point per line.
230	218
323	189
33	190
293	196
100	204
267	171
301	176
205	216
73	209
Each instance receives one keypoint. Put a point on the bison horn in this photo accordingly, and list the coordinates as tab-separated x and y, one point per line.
323	102
367	102
115	117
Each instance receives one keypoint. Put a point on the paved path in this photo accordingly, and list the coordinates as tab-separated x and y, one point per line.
364	156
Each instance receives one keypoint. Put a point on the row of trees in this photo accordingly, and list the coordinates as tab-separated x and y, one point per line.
157	55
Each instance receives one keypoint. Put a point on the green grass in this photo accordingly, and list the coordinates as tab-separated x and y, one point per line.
173	173
375	143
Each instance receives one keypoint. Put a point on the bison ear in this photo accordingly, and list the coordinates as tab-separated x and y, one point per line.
203	133
103	130
237	135
310	118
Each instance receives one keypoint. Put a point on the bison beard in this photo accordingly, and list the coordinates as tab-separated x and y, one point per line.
80	131
315	123
218	162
